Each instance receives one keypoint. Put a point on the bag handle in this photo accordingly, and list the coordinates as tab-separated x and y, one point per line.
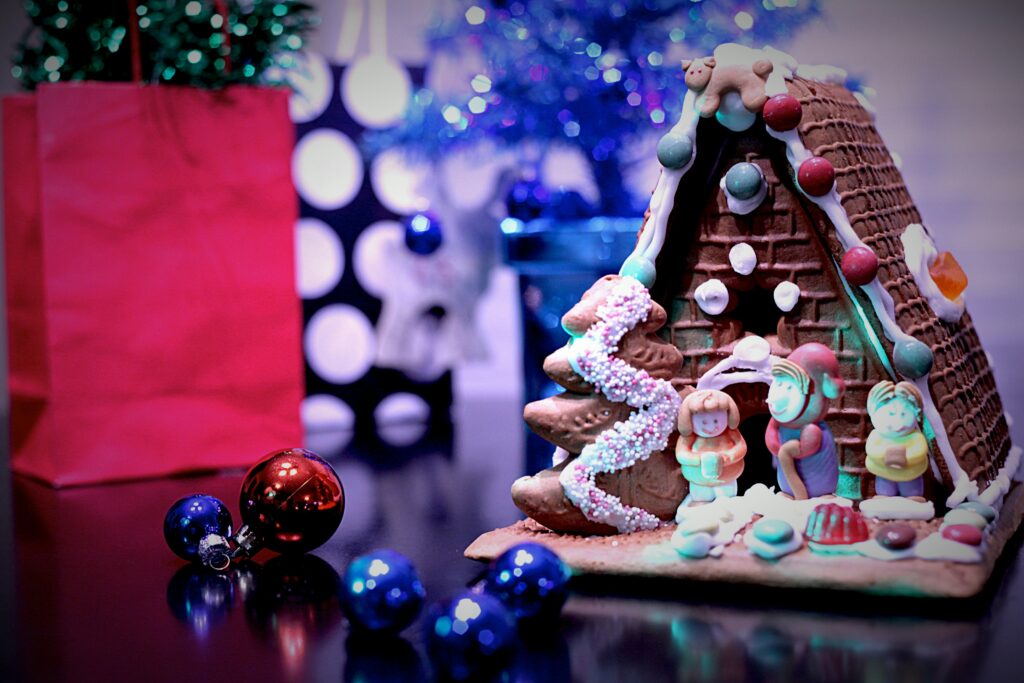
136	42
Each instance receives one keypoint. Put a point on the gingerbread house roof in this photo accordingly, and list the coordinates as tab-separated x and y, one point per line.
879	208
869	206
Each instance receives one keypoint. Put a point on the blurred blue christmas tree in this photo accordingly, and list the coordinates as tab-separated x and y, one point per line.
592	74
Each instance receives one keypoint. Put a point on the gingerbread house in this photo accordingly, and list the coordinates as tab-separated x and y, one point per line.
780	219
777	269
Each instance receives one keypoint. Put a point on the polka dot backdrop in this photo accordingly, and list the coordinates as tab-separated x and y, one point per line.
349	209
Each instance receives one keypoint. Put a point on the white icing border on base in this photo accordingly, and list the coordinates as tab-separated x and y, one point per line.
897	507
998	487
874	550
935	547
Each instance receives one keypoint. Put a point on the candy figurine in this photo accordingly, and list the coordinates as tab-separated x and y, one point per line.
381	592
530	579
192	518
897	452
710	448
797	436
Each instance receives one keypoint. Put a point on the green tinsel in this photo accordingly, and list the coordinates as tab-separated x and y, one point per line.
181	42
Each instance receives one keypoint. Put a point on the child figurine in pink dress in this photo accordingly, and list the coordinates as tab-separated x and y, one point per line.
710	448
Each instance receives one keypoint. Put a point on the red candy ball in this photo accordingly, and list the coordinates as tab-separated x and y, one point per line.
782	112
292	500
816	176
859	265
962	533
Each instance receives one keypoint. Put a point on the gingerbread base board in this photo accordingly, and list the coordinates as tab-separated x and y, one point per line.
622	555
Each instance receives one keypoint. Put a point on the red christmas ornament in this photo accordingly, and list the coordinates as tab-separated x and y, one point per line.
816	176
292	501
831	524
782	112
859	265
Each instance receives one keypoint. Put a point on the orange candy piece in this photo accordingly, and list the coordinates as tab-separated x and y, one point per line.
948	276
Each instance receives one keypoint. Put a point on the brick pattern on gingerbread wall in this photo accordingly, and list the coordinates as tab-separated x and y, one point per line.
788	248
879	207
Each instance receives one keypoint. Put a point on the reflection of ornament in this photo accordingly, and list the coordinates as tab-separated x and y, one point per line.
816	176
470	635
423	234
294	599
376	90
373	657
381	591
200	597
190	519
292	501
529	579
948	276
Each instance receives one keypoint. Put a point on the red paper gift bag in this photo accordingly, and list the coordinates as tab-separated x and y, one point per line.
152	316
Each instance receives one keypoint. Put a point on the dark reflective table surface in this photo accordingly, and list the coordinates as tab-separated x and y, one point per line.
98	597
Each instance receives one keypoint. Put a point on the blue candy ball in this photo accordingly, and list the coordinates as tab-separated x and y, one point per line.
743	180
530	580
640	268
423	234
381	591
912	358
192	518
675	150
469	635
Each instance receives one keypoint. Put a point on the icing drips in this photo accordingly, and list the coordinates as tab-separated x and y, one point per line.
743	259
712	296
786	295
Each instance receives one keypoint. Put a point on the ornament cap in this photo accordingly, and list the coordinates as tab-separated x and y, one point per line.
247	541
215	552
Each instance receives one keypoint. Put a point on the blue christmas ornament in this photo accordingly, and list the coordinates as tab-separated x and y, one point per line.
675	150
192	518
529	579
423	234
743	180
469	635
381	591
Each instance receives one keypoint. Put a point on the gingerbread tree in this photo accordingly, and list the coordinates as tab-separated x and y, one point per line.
584	418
